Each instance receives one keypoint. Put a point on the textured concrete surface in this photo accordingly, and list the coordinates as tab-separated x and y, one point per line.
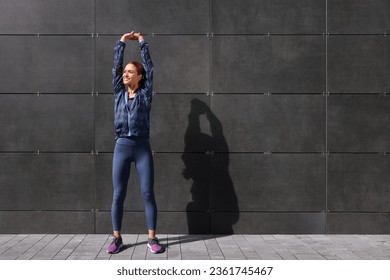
269	117
197	247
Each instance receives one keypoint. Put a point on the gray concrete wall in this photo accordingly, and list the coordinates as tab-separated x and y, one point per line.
297	140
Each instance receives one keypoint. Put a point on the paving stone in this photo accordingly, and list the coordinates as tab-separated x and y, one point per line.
12	242
18	249
53	247
227	244
76	257
308	256
87	251
243	243
10	256
345	254
140	248
274	256
194	252
268	237
303	250
258	242
233	254
173	247
4	238
102	258
68	249
174	256
216	255
285	254
42	243
103	255
376	238
332	257
198	247
173	242
212	244
190	257
377	252
190	239
93	240
363	255
193	247
160	256
251	255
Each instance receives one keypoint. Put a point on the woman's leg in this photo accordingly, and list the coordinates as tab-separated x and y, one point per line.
120	177
145	170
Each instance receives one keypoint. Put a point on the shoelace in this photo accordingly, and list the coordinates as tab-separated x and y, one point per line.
155	241
115	240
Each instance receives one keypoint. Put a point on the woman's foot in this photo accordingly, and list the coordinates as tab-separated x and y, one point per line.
154	245
115	246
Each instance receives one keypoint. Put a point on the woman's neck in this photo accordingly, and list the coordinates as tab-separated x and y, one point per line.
132	90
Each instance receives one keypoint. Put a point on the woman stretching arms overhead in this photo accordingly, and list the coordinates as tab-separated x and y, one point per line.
132	114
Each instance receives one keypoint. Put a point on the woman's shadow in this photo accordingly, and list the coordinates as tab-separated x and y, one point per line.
213	195
214	206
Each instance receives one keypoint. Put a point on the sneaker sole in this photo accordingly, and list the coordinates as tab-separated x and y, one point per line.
155	252
117	250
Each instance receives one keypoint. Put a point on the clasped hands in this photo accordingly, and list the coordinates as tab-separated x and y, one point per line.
132	36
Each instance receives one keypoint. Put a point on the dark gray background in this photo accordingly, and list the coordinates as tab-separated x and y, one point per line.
297	140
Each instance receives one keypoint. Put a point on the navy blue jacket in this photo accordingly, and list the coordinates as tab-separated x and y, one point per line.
133	120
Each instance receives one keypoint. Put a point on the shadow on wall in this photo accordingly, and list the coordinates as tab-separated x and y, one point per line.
212	189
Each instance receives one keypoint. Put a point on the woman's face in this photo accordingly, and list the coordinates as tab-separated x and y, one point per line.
130	75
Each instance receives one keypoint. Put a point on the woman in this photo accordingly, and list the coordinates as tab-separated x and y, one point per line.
132	110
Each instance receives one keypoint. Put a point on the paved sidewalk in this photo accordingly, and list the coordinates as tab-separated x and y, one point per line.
198	247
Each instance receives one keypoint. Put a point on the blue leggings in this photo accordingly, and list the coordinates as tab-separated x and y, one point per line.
126	151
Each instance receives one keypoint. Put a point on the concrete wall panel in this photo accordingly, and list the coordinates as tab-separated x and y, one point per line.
356	64
358	223
152	16
46	222
178	121
65	64
268	116
104	123
358	16
358	123
46	182
277	123
276	64
269	223
358	183
181	63
277	182
19	62
269	16
47	16
56	123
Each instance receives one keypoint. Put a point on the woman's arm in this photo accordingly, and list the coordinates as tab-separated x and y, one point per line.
117	81
146	62
117	71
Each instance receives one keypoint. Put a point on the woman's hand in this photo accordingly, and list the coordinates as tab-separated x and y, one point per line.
138	36
132	36
127	36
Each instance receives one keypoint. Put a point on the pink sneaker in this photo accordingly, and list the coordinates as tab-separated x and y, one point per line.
154	245
115	246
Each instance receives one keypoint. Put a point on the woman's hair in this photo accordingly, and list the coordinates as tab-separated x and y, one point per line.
140	70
